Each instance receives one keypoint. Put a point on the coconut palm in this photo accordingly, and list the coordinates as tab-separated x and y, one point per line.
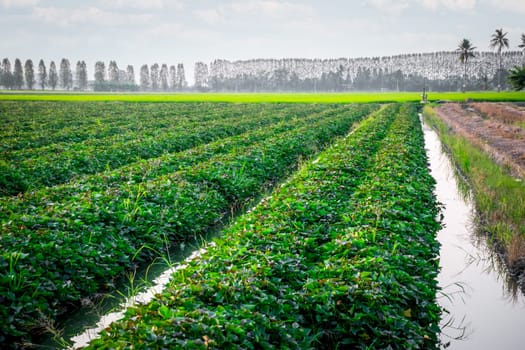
466	51
522	45
499	41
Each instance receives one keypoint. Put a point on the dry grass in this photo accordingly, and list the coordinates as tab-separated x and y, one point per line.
515	249
503	112
503	143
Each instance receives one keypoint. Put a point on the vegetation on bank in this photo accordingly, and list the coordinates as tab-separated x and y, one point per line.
517	78
64	243
498	196
343	255
353	97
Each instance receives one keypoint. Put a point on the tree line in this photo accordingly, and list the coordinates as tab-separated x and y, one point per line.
438	71
154	78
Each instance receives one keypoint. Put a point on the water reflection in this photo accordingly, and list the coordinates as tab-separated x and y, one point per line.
491	261
452	328
140	286
485	308
156	287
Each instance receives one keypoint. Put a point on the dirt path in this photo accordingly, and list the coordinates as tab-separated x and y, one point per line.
492	127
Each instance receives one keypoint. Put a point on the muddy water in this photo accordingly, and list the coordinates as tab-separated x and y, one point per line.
485	310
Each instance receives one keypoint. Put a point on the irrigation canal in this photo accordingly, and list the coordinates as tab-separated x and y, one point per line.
485	309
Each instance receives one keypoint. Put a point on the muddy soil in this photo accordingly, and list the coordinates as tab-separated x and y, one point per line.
493	127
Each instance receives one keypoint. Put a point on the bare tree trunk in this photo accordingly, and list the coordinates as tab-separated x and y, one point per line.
464	87
499	71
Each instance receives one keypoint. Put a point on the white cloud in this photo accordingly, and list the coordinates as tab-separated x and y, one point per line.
423	41
394	7
210	16
510	5
271	8
241	13
150	4
173	35
18	3
343	30
142	4
91	15
455	5
166	29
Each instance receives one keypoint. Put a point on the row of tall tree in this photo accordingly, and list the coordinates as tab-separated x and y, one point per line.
19	77
439	71
111	79
154	78
163	78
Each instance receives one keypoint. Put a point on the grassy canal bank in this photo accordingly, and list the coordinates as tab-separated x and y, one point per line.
499	196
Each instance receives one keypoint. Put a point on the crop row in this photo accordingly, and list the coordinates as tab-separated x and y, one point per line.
342	256
147	169
37	124
132	126
57	252
48	166
35	209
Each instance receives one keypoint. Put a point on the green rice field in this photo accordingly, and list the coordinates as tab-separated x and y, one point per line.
354	97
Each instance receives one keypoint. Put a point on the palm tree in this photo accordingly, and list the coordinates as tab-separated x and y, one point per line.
466	51
499	41
522	45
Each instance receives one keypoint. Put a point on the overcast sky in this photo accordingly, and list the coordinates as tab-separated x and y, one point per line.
148	31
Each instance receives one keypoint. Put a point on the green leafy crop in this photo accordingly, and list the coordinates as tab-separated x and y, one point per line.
66	242
342	256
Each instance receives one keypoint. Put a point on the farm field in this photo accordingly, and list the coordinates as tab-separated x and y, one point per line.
487	144
342	255
343	97
353	216
262	174
65	242
44	147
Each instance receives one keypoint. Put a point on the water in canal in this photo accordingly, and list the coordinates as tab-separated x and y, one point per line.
485	309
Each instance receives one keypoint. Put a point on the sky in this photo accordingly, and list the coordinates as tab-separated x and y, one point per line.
186	31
